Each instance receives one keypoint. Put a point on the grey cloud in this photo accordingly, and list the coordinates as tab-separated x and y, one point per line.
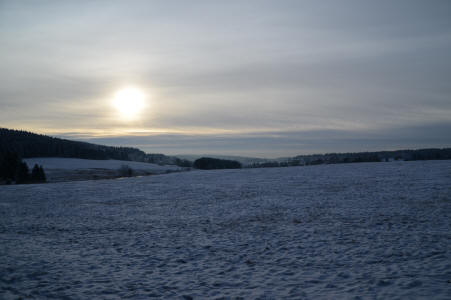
240	66
277	144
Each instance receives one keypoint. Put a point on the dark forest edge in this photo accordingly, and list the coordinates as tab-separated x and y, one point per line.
208	163
18	144
27	144
14	170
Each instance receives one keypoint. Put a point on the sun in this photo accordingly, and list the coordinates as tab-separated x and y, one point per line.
129	102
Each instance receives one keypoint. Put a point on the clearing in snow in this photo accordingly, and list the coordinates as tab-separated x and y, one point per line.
70	169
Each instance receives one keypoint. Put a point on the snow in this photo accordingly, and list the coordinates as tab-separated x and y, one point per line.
350	231
68	169
77	163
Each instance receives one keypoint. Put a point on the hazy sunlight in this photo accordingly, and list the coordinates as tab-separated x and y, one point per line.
129	102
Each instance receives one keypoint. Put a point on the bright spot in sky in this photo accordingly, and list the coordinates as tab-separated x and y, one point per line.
129	102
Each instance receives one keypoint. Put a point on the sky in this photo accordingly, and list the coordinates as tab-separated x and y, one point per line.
250	78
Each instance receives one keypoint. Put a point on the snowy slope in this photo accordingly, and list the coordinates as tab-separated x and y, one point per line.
64	169
77	163
369	230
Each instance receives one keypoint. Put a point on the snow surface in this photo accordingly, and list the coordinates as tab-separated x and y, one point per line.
69	169
77	163
351	231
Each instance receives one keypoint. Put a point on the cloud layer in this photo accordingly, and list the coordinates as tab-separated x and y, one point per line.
252	71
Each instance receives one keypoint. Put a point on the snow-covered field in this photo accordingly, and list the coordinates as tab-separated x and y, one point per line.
68	169
351	231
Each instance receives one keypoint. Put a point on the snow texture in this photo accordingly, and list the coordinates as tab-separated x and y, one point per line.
351	231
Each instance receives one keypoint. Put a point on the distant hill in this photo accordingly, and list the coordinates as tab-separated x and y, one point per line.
379	156
334	158
420	154
27	144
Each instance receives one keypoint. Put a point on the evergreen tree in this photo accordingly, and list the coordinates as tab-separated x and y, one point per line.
22	173
35	173
9	166
42	176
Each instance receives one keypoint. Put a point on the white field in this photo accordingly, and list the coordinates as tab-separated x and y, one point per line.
67	169
350	231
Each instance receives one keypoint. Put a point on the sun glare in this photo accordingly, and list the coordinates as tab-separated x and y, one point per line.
129	102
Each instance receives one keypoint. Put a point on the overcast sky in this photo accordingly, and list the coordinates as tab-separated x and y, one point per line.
255	78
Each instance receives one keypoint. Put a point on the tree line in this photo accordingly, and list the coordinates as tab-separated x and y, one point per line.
337	158
27	144
208	163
